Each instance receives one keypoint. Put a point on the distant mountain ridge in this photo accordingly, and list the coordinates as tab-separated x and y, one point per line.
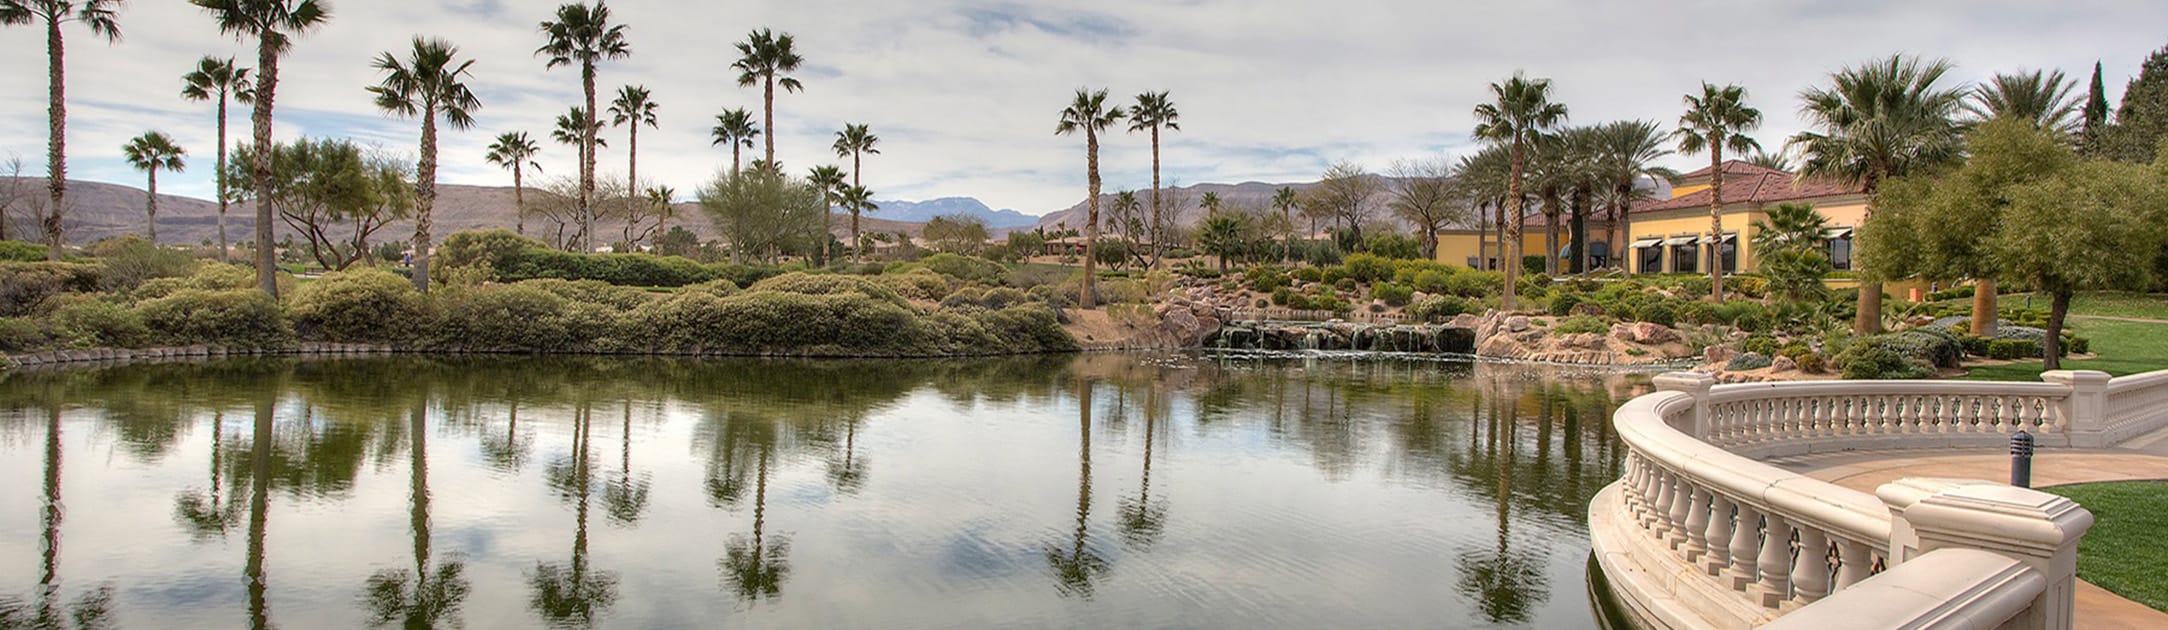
923	211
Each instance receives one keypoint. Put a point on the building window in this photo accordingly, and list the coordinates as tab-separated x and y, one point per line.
1685	258
1729	250
1599	254
1840	253
1651	260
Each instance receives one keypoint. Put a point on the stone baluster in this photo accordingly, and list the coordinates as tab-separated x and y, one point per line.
1810	575
1855	561
1681	505
1719	537
1697	524
1775	562
1659	518
1745	542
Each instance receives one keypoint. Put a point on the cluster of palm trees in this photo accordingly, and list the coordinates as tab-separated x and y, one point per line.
1887	118
1089	113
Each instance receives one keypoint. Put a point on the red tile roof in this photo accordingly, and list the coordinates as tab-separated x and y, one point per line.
1747	183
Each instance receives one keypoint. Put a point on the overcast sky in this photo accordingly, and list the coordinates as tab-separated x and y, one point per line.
965	94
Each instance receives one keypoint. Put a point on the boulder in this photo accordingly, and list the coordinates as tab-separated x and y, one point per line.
1469	321
1649	333
1783	364
1516	323
1718	354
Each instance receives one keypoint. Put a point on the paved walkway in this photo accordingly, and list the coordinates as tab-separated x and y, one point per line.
2142	458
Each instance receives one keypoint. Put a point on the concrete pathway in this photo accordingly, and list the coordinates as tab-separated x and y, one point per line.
2142	458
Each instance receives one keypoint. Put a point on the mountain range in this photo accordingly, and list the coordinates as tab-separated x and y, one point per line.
923	211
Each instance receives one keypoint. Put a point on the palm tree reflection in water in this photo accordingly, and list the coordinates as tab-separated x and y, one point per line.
572	595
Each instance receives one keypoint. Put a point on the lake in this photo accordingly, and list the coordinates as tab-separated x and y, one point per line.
1103	490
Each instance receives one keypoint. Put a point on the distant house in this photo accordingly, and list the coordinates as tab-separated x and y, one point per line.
1671	234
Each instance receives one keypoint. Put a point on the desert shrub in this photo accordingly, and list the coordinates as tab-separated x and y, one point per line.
917	284
244	318
1281	296
19	334
1022	328
1265	279
2013	349
1746	286
1563	303
595	292
1346	284
1438	307
1867	361
1052	297
1810	363
1659	313
1920	346
1580	324
1393	294
1975	345
1745	315
744	275
1476	284
23	286
88	323
2079	345
358	306
130	260
1693	286
717	288
1697	312
1330	303
965	268
1308	274
1368	267
511	258
811	284
1433	281
19	251
777	322
1393	246
1117	291
512	318
1298	302
1749	361
1759	344
1029	276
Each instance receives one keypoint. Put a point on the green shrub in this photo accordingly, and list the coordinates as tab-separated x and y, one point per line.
2078	345
744	275
1308	274
1439	307
1265	279
244	318
511	318
1974	345
1759	344
965	268
1021	328
1283	295
1563	303
511	258
1581	324
810	284
1698	312
776	322
19	334
1394	246
2013	349
88	323
717	288
25	285
1749	361
596	292
1810	363
1476	284
358	306
918	284
1870	362
1368	267
1393	294
1536	263
130	260
1745	315
19	251
1433	281
1658	313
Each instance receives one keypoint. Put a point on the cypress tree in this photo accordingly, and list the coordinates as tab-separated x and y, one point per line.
2096	110
2142	120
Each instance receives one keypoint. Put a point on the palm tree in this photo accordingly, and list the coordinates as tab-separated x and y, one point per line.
2040	98
1522	113
574	128
661	198
102	19
1791	239
1482	179
857	199
514	150
583	35
1210	202
1152	112
1719	119
219	79
1771	161
633	106
735	127
768	59
1628	150
829	179
149	152
1089	113
274	24
854	141
429	597
426	84
1882	119
1284	200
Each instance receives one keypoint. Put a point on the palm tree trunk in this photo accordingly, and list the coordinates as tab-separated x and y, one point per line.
425	202
734	153
1086	298
267	82
150	206
768	117
587	160
222	257
858	245
1550	235
1513	230
1983	306
519	199
1716	216
632	179
1868	319
56	147
1156	226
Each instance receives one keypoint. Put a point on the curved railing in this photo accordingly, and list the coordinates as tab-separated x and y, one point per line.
1700	533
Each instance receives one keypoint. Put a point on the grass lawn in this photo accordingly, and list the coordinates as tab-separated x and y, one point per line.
2125	550
2124	348
2102	304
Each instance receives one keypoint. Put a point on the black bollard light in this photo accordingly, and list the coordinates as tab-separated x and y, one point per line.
2021	453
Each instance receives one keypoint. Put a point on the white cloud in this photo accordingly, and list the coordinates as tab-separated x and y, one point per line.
965	93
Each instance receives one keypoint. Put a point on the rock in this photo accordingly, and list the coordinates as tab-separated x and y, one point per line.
1585	341
1783	364
1528	336
1517	323
1718	354
1469	321
1648	333
1501	346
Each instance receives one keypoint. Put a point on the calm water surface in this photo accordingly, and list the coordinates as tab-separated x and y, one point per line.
1092	491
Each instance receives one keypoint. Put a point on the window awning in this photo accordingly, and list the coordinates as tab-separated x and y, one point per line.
1679	240
1835	234
1646	242
1727	238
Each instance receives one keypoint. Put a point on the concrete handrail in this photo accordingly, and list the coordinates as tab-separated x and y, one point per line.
1951	588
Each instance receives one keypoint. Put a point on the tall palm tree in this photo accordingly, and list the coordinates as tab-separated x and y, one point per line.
574	128
633	106
582	35
1089	113
101	16
2041	98
1284	200
1580	162
1717	120
149	152
514	150
1628	151
1482	179
428	84
661	197
768	59
829	179
219	79
1882	119
274	24
1153	112
735	127
853	142
1522	113
857	199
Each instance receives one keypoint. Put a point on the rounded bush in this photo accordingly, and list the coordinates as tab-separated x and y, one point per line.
811	284
965	268
1368	267
88	323
2013	349
512	318
1439	307
1749	361
1658	313
245	318
595	292
918	284
23	286
19	251
358	306
18	334
1563	303
1392	294
1867	361
1581	324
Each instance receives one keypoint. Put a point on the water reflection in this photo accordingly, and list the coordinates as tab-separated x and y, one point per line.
1253	488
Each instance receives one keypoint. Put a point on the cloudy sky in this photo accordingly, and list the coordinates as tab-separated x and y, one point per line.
965	93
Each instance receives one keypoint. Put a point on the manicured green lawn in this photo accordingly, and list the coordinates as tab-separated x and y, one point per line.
2102	304
2125	552
2124	348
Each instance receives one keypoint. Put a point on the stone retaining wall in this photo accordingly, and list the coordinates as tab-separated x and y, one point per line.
75	358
